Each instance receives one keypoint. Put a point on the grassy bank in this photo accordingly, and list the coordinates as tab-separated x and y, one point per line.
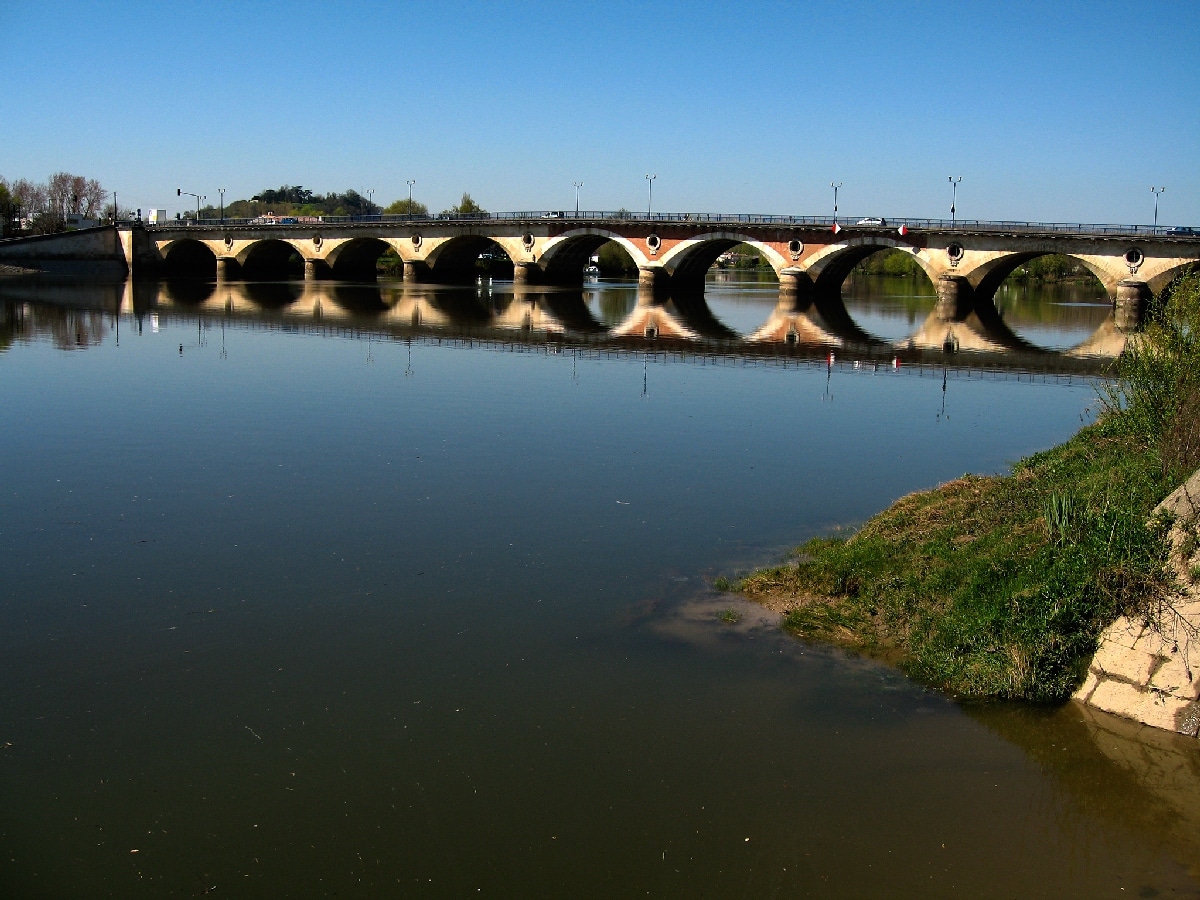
1000	586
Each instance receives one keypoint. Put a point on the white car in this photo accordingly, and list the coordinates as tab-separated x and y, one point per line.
873	220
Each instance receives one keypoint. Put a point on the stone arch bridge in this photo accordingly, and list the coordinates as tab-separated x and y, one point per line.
967	262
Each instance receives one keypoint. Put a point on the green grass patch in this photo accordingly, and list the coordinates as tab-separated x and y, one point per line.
1001	586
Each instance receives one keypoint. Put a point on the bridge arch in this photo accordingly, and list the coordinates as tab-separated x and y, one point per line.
986	279
355	259
271	259
1159	282
829	267
453	261
188	258
689	261
564	257
826	272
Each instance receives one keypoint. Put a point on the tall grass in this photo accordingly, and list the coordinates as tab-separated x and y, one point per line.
1001	586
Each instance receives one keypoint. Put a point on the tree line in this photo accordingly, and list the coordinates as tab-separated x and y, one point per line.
297	200
30	207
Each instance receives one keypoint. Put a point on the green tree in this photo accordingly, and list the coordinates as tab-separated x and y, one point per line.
408	207
466	207
8	210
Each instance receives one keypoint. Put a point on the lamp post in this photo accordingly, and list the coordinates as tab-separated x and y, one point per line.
370	201
578	185
954	180
650	197
411	182
221	191
835	185
199	197
1156	191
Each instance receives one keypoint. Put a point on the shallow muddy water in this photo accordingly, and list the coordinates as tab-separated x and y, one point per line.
300	605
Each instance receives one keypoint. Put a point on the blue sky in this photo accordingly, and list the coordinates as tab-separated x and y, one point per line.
1056	111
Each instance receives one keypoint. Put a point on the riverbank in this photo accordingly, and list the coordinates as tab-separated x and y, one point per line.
1002	586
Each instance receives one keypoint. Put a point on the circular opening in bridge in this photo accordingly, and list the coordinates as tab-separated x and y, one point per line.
1133	257
190	259
795	248
653	243
1052	301
955	252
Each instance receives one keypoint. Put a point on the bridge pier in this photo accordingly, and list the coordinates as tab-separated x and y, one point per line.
227	267
526	273
653	278
1133	297
795	290
953	298
415	271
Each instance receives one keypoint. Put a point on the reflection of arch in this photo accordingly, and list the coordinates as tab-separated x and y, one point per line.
189	258
189	291
273	296
689	261
355	259
453	262
685	317
270	260
569	308
565	257
359	298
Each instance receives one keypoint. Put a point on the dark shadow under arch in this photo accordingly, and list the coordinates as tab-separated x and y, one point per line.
458	260
356	260
272	260
190	259
572	256
693	264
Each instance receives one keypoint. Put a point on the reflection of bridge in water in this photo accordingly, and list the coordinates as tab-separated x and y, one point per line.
523	314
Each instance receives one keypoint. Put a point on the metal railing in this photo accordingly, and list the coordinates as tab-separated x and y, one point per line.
611	217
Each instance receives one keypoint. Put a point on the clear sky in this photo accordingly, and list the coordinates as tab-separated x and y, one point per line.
1050	111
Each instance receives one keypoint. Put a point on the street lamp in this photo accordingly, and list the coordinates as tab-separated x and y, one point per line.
199	197
411	182
954	180
835	185
221	191
370	201
578	185
650	197
1156	191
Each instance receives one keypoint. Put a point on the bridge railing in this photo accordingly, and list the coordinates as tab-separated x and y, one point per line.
609	217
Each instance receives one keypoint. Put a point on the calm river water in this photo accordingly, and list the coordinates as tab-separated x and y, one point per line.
301	611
